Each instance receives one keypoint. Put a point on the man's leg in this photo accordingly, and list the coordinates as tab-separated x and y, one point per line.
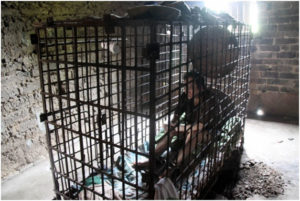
190	145
192	139
163	143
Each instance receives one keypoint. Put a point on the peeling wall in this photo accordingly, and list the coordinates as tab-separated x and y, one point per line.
23	139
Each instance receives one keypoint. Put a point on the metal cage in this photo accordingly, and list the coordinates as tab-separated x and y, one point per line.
110	87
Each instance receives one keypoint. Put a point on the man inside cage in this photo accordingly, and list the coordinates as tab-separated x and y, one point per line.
186	125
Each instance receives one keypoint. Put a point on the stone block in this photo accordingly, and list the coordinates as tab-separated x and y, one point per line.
258	81
279	5
286	55
290	33
270	27
266	41
255	74
264	5
272	88
282	68
270	74
286	89
279	20
256	61
269	48
263	55
263	20
253	48
295	47
283	12
294	19
277	81
280	41
256	86
285	47
289	75
261	88
295	4
263	67
289	27
270	34
292	62
272	61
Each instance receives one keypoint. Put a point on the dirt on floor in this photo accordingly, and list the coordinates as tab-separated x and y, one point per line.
256	178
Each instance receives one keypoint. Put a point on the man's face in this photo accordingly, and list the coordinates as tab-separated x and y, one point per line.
192	89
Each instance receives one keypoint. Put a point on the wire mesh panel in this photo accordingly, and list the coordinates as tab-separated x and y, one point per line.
111	95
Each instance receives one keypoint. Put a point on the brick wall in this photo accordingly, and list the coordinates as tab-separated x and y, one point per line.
274	84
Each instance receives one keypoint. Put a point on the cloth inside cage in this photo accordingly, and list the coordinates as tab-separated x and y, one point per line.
94	182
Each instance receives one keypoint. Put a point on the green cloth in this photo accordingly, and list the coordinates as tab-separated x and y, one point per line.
93	180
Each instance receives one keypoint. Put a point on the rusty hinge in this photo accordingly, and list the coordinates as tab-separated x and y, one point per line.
247	95
34	39
102	119
43	117
50	21
151	51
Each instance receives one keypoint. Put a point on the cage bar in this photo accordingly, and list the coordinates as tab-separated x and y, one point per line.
110	93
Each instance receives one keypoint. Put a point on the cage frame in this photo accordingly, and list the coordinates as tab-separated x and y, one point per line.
150	52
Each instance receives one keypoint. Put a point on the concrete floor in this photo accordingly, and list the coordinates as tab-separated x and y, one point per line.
275	144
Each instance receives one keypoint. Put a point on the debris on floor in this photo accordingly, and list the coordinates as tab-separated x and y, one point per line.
256	178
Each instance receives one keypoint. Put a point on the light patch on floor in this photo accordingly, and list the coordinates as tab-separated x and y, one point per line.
34	183
277	145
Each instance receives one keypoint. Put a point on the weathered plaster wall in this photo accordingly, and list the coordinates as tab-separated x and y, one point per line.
274	82
23	140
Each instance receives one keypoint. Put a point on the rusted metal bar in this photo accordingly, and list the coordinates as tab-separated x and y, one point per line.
100	104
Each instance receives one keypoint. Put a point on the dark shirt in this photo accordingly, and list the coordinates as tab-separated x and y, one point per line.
187	106
213	110
191	116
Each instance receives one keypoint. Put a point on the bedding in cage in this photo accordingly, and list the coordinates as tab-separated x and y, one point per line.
110	89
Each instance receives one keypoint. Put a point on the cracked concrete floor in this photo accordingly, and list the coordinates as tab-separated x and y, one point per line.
275	144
